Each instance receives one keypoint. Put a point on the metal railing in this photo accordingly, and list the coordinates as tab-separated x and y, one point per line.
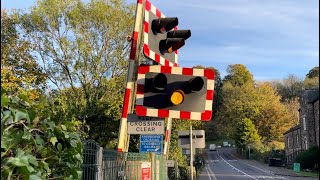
103	164
90	160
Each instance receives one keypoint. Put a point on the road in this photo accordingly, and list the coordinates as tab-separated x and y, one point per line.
221	165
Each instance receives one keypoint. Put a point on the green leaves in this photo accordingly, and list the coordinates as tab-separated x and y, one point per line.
6	117
23	160
53	140
4	101
246	134
33	150
26	134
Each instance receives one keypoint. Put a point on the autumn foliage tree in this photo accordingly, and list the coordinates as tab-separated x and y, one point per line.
83	50
289	87
211	127
273	118
246	134
312	78
19	68
258	102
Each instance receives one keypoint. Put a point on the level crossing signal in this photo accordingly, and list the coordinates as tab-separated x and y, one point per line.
175	92
162	39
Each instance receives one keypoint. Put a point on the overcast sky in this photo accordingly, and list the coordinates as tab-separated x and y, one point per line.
271	38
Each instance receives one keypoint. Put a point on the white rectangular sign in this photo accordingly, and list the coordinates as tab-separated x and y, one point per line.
187	151
145	125
170	163
198	139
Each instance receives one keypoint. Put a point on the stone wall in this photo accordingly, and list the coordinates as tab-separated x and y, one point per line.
316	115
307	120
292	144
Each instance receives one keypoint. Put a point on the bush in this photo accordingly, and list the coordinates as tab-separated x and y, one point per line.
309	159
32	146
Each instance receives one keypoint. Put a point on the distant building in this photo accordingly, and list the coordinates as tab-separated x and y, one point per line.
306	134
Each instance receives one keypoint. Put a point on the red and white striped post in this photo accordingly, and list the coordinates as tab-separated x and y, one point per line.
167	138
128	102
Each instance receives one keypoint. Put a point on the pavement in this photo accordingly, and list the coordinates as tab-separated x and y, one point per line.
283	171
223	164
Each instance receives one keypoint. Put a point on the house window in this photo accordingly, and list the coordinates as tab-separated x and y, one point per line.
304	123
306	143
288	139
297	137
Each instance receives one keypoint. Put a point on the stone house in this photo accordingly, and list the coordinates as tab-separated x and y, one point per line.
292	143
306	133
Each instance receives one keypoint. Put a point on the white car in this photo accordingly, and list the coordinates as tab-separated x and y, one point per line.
212	147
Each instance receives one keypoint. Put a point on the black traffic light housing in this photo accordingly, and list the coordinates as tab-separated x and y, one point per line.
175	39
162	39
175	92
159	89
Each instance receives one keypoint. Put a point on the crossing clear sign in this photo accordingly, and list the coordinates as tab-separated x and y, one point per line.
145	125
151	143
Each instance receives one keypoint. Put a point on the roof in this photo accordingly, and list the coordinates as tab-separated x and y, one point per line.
292	129
310	95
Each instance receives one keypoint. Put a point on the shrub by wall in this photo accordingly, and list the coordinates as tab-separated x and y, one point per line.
32	146
309	159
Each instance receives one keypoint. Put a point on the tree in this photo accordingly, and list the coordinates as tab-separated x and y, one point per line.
312	79
175	152
261	104
246	134
211	126
273	118
239	102
292	106
84	50
289	88
238	75
19	69
313	73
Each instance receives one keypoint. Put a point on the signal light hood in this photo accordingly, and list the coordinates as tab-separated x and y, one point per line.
185	34
160	81
163	25
171	44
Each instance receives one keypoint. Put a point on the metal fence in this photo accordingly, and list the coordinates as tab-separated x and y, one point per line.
90	160
103	164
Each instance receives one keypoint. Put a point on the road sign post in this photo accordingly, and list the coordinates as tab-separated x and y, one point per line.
191	153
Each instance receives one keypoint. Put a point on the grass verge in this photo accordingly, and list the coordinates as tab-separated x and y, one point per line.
310	174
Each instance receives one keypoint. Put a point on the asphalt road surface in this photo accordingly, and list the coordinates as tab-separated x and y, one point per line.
221	165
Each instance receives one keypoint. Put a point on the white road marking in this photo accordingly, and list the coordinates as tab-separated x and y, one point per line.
269	177
264	170
211	173
208	173
236	168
